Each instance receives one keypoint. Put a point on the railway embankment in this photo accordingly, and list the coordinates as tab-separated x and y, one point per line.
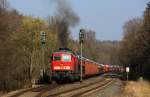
139	88
88	87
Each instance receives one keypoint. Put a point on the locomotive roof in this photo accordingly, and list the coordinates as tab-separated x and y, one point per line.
64	50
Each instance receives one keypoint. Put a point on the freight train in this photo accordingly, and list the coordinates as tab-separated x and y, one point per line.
66	66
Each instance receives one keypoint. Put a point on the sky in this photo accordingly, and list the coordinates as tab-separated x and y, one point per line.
105	17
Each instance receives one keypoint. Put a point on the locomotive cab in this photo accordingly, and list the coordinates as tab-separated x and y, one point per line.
64	65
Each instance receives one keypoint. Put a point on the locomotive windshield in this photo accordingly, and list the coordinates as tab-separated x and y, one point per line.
66	58
57	58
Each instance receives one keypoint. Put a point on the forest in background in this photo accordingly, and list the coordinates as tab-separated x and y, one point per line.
135	46
21	44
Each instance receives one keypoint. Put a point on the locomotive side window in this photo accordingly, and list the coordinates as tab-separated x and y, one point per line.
57	58
66	58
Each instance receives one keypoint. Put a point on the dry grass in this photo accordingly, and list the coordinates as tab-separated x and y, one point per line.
1	93
136	89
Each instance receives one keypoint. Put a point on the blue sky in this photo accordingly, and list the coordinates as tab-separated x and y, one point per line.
105	17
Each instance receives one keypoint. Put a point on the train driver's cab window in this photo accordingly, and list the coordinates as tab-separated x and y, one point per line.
57	58
66	58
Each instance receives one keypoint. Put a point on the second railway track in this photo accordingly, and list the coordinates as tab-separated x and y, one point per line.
81	90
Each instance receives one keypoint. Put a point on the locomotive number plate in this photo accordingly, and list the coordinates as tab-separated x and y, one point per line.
62	67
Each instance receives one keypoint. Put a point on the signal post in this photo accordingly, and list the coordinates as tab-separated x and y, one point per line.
81	38
43	41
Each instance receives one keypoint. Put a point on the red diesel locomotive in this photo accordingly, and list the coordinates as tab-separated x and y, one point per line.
64	66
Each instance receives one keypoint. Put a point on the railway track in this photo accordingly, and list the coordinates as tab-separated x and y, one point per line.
46	93
94	89
79	91
24	91
39	90
48	88
66	90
